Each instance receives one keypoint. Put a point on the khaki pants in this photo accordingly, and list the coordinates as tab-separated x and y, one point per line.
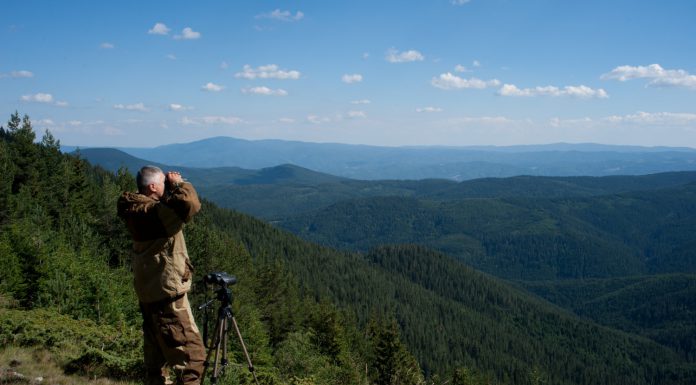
172	341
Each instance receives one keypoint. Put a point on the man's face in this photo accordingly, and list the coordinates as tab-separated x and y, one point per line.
157	188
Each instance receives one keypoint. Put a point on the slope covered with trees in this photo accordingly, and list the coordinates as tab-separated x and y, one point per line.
525	238
309	314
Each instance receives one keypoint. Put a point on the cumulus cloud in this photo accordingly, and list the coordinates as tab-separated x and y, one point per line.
21	74
45	98
658	76
429	109
654	118
159	29
210	120
18	74
356	114
188	34
351	78
132	107
38	98
106	45
179	107
476	63
270	71
315	119
449	81
286	16
264	91
581	91
394	56
461	68
361	101
484	120
212	87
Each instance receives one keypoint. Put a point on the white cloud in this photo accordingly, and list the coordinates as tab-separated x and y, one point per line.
461	68
212	87
356	114
21	74
476	63
42	97
459	2
107	45
270	71
315	119
188	34
132	107
394	56
365	55
484	120
265	91
171	56
351	78
281	15
228	120
45	122
448	81
224	65
179	107
362	101
159	29
654	118
429	109
573	91
38	98
286	120
659	77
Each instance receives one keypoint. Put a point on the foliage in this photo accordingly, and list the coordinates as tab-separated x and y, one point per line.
309	314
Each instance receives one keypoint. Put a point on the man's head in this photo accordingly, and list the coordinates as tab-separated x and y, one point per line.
150	181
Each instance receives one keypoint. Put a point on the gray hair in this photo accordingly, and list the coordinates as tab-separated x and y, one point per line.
147	176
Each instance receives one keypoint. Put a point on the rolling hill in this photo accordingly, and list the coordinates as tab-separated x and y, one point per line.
455	163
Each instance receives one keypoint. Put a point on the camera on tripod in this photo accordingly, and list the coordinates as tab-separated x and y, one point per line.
217	344
219	278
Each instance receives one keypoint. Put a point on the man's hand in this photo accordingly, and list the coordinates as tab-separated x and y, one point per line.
174	177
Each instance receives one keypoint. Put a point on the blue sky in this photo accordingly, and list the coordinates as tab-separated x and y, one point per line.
435	72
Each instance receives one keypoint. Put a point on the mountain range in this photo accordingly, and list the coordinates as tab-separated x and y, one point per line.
454	163
615	249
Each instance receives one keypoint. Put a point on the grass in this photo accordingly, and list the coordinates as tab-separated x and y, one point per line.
39	366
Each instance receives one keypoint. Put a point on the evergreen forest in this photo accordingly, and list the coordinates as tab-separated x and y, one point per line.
382	312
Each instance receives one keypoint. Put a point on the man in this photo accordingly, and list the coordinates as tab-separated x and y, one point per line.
162	274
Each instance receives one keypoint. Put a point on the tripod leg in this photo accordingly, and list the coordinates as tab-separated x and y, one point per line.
246	353
213	343
220	336
214	347
224	361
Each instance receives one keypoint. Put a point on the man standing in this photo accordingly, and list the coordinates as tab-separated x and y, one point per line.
163	273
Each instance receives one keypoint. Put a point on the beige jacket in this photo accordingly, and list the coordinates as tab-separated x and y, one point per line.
161	265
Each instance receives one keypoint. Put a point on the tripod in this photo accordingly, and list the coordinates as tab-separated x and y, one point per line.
219	339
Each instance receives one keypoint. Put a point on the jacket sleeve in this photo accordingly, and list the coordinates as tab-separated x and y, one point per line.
183	200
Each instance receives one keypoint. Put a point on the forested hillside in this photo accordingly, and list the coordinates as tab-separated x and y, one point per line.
65	285
525	238
287	191
662	307
310	314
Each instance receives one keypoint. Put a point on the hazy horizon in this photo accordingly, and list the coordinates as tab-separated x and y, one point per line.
436	73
